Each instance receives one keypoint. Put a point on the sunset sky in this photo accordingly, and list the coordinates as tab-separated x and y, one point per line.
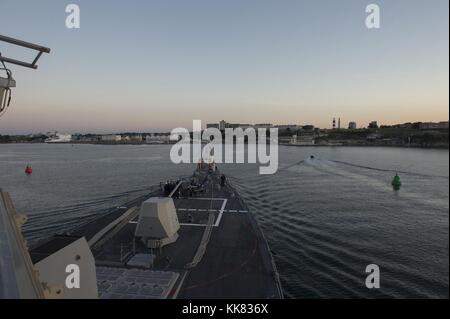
156	65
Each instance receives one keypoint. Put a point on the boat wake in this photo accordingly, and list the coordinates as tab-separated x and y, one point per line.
388	170
318	162
355	222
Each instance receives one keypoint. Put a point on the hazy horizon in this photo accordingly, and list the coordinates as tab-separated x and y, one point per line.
152	66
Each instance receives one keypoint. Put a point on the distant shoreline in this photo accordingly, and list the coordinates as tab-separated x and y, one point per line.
442	147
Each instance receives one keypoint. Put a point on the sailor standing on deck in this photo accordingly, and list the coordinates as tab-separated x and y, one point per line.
222	180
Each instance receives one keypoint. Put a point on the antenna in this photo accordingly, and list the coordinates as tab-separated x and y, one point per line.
8	82
27	45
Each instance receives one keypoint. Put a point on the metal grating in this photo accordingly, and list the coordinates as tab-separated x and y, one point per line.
120	283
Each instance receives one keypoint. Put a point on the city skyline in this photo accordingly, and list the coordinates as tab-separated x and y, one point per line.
350	125
153	65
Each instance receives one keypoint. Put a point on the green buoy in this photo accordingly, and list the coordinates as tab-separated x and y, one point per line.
396	183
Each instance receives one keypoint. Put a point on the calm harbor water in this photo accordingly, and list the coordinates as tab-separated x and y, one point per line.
325	218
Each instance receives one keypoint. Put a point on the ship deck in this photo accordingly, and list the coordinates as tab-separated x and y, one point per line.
220	252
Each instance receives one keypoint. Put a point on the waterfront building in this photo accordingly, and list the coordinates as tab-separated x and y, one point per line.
157	139
263	125
291	127
111	138
58	138
213	125
304	140
433	126
136	138
307	127
352	126
373	124
222	125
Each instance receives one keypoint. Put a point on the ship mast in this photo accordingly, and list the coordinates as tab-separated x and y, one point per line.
8	82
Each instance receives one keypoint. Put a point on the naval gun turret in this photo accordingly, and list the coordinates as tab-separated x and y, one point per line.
158	222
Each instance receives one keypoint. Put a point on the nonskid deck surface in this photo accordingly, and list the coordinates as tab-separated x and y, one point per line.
220	252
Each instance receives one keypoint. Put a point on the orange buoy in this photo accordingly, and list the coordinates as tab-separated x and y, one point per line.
28	170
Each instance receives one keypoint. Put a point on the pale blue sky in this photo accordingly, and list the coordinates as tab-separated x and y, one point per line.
156	65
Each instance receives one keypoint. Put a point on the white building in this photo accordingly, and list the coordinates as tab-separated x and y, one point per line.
157	139
352	126
111	138
58	138
305	140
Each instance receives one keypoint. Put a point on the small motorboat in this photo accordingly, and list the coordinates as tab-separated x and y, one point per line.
28	170
312	157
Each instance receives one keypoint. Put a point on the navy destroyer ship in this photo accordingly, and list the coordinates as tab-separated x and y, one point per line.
194	238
